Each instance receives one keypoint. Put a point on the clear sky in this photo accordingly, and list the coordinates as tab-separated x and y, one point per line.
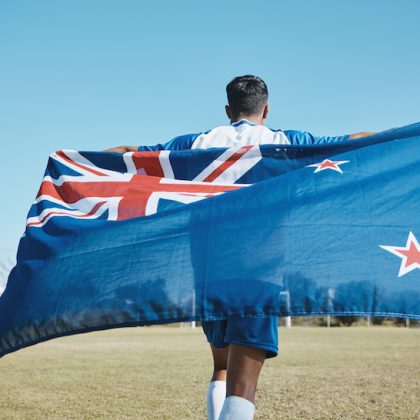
88	75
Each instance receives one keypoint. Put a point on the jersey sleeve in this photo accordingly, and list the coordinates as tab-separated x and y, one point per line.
183	142
304	138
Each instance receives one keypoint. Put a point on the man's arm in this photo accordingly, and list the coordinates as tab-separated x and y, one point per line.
122	149
177	143
306	138
360	135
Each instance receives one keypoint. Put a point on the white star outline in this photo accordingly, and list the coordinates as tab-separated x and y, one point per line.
404	269
334	165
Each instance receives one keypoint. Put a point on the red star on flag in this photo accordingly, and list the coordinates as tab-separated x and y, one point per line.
328	164
410	254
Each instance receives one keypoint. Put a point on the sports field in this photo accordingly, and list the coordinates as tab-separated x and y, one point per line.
162	373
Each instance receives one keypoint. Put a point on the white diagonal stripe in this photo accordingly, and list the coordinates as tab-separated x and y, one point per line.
215	164
246	162
129	162
165	163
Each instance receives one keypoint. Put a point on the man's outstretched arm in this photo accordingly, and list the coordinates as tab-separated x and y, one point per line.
177	143
122	149
306	138
360	135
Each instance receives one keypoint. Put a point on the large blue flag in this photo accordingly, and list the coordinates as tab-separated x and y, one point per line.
156	237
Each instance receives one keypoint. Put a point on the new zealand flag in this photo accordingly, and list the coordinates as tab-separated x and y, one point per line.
156	237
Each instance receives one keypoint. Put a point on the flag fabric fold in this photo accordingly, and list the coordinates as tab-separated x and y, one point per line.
156	237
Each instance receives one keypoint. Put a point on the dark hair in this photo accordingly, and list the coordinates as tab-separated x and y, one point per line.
247	95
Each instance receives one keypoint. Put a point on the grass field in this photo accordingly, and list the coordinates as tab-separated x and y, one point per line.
162	373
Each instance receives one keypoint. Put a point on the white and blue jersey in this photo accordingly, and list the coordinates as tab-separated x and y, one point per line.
242	133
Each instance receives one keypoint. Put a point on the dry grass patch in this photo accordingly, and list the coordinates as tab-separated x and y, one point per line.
162	373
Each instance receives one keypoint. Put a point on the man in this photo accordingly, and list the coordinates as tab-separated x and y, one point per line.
240	345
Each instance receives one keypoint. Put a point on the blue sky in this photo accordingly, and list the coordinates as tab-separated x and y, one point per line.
88	75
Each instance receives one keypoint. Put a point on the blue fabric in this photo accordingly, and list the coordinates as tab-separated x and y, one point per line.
259	332
304	240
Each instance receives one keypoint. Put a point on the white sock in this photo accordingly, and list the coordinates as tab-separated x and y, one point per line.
237	408
216	394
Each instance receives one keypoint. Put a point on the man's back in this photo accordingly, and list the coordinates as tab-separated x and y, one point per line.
242	133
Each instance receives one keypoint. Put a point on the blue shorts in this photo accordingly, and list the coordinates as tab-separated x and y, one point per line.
260	332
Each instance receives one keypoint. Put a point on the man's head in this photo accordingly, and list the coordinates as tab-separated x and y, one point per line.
247	98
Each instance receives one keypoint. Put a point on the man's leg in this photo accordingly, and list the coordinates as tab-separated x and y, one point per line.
243	369
216	392
251	340
220	362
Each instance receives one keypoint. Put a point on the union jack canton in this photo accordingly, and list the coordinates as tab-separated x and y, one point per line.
91	185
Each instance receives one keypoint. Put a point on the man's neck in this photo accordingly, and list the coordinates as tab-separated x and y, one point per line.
250	118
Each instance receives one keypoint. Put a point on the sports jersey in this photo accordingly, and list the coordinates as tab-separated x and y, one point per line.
242	133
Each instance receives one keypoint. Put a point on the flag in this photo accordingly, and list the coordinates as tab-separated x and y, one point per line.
144	238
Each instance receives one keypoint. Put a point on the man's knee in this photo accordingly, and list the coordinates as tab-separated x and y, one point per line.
219	372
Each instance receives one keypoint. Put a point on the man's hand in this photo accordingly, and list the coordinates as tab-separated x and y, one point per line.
122	149
360	135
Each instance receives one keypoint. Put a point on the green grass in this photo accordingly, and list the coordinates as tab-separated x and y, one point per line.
162	373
